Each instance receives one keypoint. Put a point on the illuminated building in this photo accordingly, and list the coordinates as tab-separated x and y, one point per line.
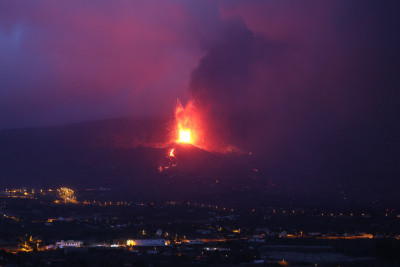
69	243
147	242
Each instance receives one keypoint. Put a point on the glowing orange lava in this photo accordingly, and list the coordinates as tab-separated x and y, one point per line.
171	153
184	136
187	124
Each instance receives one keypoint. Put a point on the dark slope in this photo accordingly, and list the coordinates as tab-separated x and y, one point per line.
126	154
79	154
123	154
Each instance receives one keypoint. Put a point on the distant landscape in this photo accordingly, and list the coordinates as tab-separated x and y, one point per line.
126	154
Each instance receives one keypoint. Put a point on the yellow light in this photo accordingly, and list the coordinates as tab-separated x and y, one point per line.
130	243
184	136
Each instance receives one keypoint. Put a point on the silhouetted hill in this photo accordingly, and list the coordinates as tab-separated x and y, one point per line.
119	153
83	153
133	155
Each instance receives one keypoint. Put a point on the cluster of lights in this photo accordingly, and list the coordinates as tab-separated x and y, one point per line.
210	206
67	195
107	203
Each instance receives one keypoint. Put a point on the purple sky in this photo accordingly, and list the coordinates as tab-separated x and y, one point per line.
68	61
311	85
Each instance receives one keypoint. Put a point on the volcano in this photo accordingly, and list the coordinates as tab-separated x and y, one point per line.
122	153
126	155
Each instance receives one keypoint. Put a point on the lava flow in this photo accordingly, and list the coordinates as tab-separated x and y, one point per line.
169	161
186	131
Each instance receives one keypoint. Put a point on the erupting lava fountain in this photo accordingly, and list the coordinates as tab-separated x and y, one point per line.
188	128
186	131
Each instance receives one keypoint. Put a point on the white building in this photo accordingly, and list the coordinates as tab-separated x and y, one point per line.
69	244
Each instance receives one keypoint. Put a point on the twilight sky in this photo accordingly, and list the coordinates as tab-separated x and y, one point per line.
68	61
312	84
297	75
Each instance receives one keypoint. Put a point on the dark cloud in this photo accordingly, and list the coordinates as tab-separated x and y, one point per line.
312	88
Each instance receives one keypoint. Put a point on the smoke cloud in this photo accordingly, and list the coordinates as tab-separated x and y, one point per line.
309	87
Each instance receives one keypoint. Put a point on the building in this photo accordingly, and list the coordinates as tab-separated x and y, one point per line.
147	242
69	244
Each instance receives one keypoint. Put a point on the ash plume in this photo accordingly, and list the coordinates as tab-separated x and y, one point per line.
237	85
298	101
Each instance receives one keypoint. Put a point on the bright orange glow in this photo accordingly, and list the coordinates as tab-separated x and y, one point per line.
171	153
361	236
187	124
130	243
